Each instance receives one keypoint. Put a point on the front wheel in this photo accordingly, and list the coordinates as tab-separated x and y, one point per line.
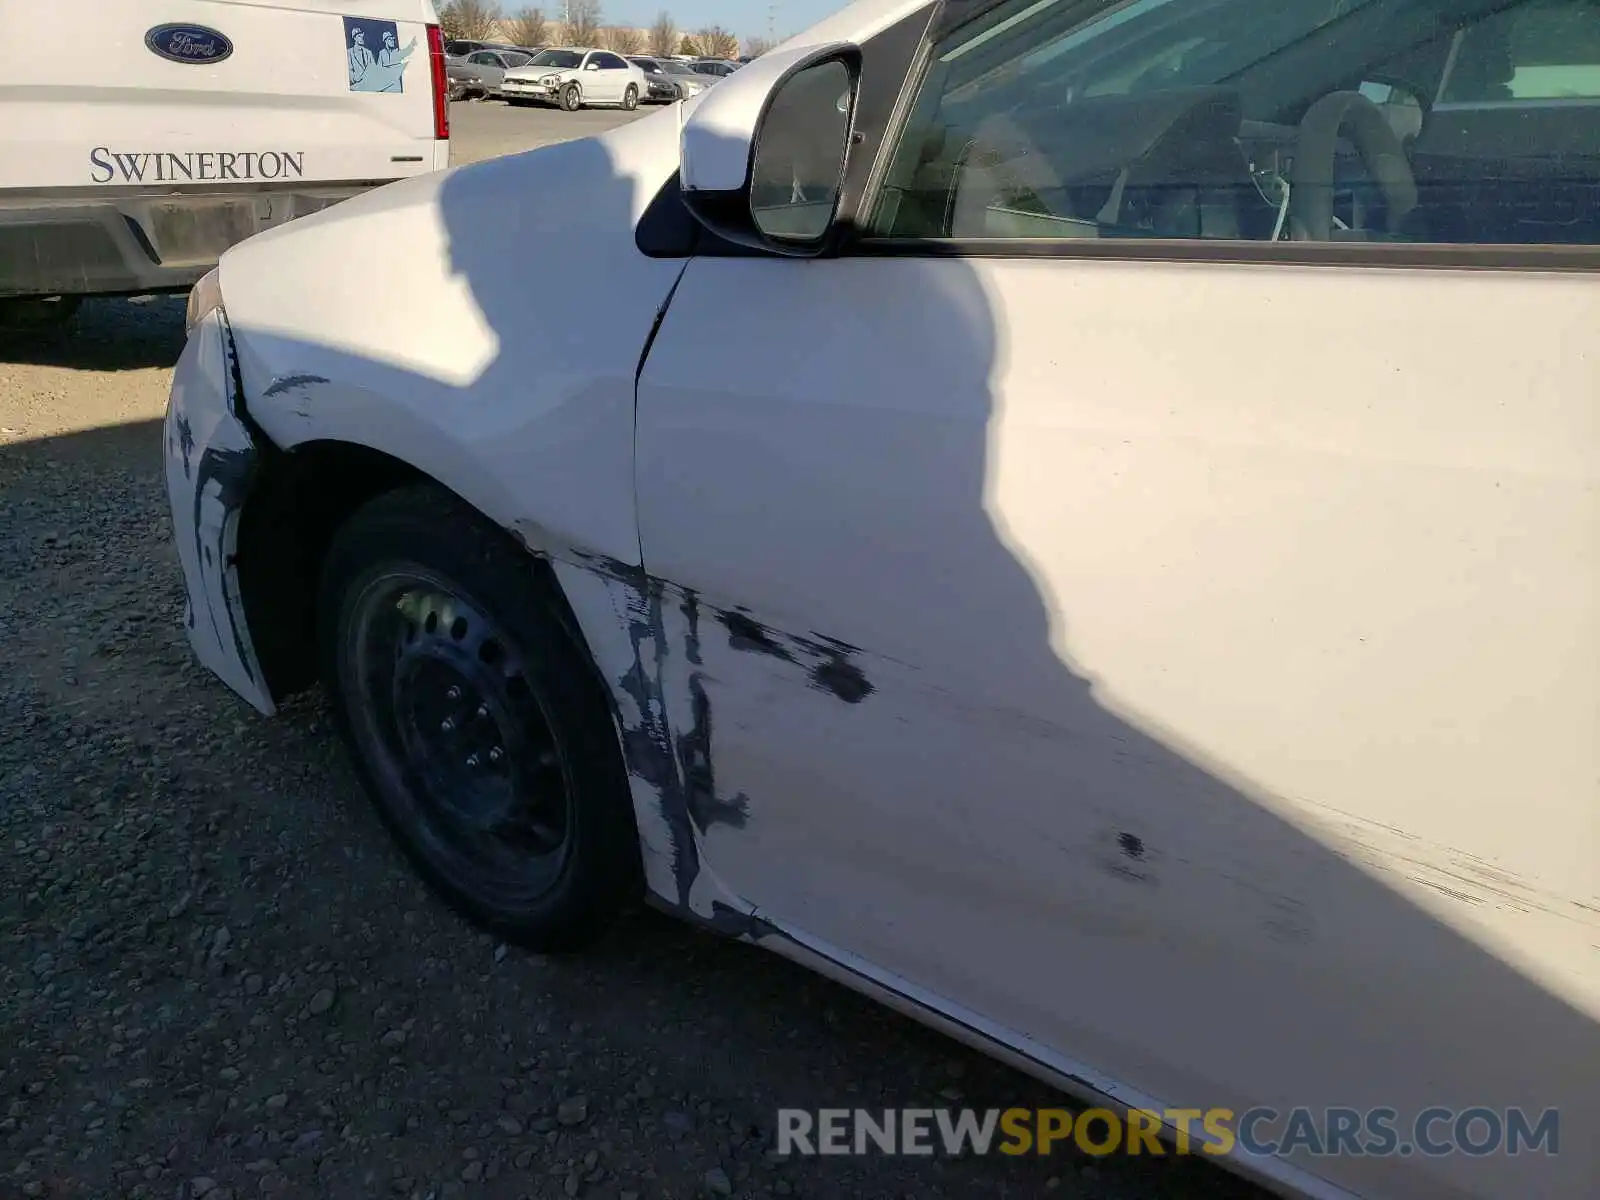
630	98
477	724
571	98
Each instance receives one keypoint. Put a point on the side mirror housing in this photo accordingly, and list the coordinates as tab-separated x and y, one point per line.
763	153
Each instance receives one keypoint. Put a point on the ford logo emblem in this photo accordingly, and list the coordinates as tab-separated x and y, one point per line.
188	44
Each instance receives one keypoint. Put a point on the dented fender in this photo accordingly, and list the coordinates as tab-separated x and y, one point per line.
212	460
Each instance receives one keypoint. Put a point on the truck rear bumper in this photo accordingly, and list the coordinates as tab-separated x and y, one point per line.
77	243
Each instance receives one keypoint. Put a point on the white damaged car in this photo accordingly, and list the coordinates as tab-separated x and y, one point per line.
1081	520
576	78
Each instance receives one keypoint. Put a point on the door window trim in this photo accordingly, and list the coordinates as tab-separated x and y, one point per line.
952	15
895	64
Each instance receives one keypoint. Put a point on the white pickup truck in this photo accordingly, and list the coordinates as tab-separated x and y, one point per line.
193	125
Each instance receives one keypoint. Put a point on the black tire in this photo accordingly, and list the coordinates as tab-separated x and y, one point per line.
630	98
571	98
515	805
28	313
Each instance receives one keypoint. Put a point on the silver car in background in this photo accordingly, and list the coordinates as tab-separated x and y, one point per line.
660	88
675	74
482	72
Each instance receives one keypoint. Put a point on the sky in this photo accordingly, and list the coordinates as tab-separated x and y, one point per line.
745	18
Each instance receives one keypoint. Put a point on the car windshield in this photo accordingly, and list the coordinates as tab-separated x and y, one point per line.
678	68
648	65
458	49
565	59
516	59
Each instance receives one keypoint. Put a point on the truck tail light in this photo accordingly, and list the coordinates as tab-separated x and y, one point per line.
441	84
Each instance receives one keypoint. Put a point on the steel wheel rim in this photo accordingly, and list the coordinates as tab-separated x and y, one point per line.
456	735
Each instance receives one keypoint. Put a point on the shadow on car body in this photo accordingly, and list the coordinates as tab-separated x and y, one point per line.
489	414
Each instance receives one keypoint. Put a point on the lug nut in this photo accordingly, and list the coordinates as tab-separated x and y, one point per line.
495	754
483	711
472	761
447	725
453	693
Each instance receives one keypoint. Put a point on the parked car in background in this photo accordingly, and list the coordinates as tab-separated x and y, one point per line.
461	47
683	80
482	71
199	132
719	67
661	89
574	77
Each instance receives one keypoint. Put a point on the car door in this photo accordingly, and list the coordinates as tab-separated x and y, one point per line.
618	76
484	65
1151	646
494	73
597	81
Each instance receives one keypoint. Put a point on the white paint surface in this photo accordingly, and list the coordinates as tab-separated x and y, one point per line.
1232	643
481	324
1234	648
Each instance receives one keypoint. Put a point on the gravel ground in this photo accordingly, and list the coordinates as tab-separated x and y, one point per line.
217	978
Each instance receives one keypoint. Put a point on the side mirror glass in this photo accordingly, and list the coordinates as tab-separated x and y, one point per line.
797	171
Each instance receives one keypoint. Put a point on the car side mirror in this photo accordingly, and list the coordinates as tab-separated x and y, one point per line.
764	152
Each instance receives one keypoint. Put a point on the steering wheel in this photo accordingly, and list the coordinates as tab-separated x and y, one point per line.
1311	180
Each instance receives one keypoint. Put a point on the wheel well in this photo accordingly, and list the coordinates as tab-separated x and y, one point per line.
285	529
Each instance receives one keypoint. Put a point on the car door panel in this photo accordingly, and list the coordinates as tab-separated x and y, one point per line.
605	89
1080	636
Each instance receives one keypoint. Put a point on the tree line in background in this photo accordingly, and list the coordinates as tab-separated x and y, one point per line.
485	20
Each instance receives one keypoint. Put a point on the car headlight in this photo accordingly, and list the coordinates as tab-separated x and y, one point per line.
551	79
205	298
692	87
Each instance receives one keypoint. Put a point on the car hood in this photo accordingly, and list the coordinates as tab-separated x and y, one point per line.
535	74
328	278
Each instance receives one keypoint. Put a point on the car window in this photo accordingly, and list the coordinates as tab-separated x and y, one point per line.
515	59
1242	120
610	62
481	58
564	60
648	66
673	67
1548	50
459	49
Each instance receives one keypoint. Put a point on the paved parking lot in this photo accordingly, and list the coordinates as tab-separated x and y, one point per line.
217	979
485	128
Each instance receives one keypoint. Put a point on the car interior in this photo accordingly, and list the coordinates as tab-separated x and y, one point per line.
1464	121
